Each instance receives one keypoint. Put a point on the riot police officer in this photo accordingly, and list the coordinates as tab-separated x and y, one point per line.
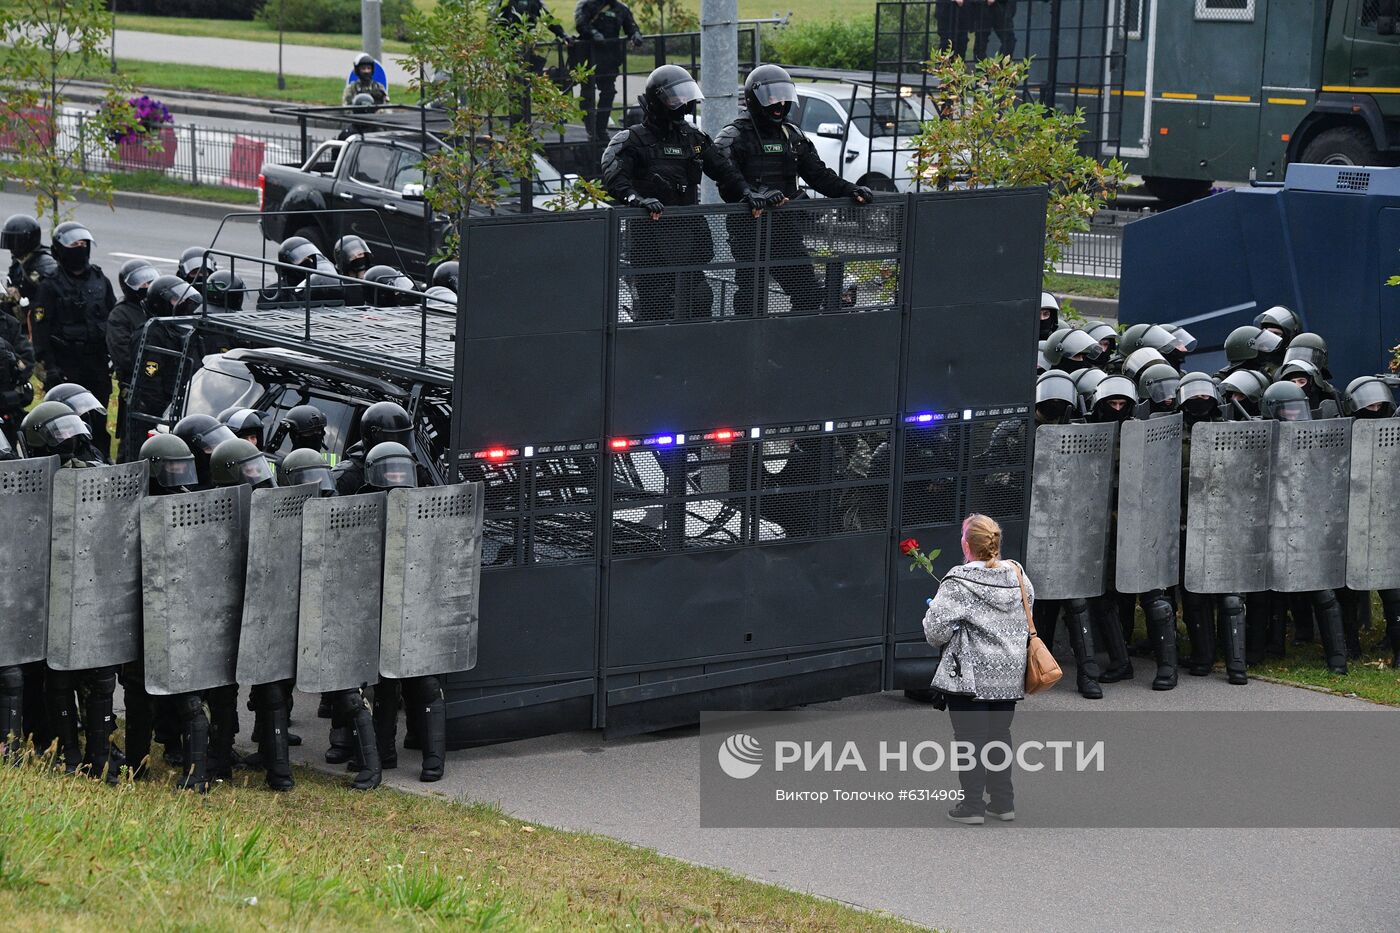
445	275
1049	314
194	267
1157	388
245	423
389	278
85	406
1249	347
601	24
305	427
772	154
1322	396
123	327
365	82
16	369
1243	390
1106	334
305	257
1280	321
225	290
352	256
69	320
160	346
202	434
1199	401
389	465
1069	350
53	428
657	164
382	421
1310	348
304	465
30	263
1370	397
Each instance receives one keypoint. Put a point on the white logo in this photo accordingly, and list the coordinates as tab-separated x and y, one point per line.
741	756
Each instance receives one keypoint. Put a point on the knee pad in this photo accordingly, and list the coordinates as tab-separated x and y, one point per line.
348	702
102	683
1232	604
1157	607
188	706
427	689
1324	600
11	681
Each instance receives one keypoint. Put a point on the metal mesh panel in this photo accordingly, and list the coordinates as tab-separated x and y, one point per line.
996	468
402	335
932	482
538	510
1238	11
732	488
806	258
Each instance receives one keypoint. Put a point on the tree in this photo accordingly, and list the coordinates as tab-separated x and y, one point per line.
51	44
988	136
499	105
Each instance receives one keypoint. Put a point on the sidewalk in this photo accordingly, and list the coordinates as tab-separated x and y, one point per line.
643	790
306	60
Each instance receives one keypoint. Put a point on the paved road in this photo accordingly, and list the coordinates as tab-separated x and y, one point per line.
644	790
306	60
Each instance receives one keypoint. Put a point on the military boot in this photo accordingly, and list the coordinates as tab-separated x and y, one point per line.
64	726
432	718
1161	629
276	760
1351	621
370	774
11	712
1392	631
1233	620
1120	666
194	747
386	723
1198	611
1081	642
100	726
1328	614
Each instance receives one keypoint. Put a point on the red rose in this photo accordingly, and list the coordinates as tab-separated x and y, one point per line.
909	546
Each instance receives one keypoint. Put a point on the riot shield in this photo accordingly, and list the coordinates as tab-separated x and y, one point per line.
1227	507
95	566
342	569
432	576
193	548
1070	495
1148	554
1308	516
1373	516
26	487
267	639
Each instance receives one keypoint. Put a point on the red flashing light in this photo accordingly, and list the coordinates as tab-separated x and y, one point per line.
496	453
262	192
724	434
618	443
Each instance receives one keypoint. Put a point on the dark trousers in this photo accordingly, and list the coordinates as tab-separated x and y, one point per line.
997	18
797	279
599	92
979	722
954	24
671	241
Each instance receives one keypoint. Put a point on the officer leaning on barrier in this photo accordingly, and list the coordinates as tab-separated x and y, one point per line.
1369	397
657	164
1207	615
772	154
30	263
123	331
54	429
69	321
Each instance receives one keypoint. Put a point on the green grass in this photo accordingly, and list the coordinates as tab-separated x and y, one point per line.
75	854
1080	285
1372	678
232	81
152	182
250	30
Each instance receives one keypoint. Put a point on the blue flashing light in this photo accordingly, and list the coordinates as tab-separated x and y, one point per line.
665	439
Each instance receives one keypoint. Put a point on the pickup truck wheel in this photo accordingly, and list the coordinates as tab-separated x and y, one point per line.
1343	145
314	235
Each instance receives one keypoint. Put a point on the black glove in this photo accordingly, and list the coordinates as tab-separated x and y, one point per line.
862	195
650	205
599	37
636	38
755	200
774	197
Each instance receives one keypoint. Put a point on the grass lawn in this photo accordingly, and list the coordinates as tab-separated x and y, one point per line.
232	81
244	29
1080	285
1371	678
152	182
75	854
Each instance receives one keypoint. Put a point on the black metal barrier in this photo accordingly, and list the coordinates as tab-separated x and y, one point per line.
703	438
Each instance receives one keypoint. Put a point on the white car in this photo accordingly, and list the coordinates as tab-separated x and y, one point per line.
876	152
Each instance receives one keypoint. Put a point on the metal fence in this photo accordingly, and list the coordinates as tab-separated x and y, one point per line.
1097	253
191	153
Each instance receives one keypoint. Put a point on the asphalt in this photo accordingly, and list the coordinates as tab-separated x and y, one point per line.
644	791
306	60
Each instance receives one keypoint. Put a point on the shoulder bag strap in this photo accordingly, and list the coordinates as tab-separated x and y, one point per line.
1025	602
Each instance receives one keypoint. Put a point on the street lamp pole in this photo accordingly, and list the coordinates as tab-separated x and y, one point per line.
281	79
114	36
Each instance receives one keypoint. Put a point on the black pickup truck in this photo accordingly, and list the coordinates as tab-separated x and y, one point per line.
380	171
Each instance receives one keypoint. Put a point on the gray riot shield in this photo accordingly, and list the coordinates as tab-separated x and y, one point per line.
1308	517
1070	495
432	577
26	487
267	639
95	566
193	548
342	570
1227	508
1148	555
1373	515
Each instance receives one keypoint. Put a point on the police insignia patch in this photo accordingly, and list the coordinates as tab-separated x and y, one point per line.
152	368
672	150
773	147
39	314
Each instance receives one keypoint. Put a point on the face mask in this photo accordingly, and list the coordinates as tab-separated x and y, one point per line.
74	258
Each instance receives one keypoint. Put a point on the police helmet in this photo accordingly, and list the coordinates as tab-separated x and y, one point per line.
1299	369
172	464
1075	350
388	275
1110	390
1131	339
7	450
1086	382
1139	360
385	421
363	103
297	251
172	296
670	94
389	465
1184	337
72	245
1051	349
51	427
201	433
1049	314
1369	397
1055	395
1310	347
306	425
1198	395
225	289
1158	338
1102	332
135	277
1285	401
352	256
441	298
1248	342
1280	319
1041	363
769	93
306	466
21	234
194	266
76	397
246	423
1246	383
237	461
446	275
1157	384
363	59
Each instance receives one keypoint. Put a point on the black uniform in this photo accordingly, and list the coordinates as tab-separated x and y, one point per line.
774	156
26	274
601	26
664	159
16	369
69	320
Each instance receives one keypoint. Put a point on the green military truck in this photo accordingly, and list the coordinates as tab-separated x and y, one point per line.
1212	90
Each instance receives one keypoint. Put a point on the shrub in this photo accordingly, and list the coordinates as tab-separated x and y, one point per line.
830	43
339	16
200	9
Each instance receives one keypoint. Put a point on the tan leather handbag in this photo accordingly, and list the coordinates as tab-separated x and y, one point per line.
1042	670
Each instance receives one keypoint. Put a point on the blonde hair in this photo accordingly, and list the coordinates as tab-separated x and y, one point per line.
983	537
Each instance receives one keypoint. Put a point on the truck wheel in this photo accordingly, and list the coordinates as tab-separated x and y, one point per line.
1343	145
1176	191
314	235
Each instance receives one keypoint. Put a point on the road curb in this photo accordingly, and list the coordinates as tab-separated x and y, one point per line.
165	204
1093	308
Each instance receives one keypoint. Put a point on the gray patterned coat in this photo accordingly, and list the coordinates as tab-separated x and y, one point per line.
986	605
